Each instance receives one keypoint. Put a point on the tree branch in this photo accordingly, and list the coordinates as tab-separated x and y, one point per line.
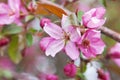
112	34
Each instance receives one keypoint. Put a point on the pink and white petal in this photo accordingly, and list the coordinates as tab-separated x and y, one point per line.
5	19
92	33
98	45
117	61
53	30
85	52
54	47
95	22
65	22
100	12
87	16
71	50
74	36
44	42
4	8
14	5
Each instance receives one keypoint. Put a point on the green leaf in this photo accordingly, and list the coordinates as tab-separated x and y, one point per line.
29	39
104	2
11	29
29	18
73	19
13	49
79	15
81	76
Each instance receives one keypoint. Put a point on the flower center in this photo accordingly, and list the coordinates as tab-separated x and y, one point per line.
85	43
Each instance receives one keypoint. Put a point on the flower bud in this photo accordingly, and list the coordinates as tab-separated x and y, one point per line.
43	21
51	77
70	70
4	41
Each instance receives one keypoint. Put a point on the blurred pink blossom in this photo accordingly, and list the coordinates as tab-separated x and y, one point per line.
6	63
103	75
91	44
94	18
43	21
70	70
11	12
64	38
115	53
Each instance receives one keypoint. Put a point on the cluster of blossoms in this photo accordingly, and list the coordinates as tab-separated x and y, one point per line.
11	12
72	39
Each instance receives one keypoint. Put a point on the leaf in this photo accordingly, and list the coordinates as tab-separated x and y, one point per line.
12	29
104	2
29	18
79	15
73	19
29	39
45	8
13	49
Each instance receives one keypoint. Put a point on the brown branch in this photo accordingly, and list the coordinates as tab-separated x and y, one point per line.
112	34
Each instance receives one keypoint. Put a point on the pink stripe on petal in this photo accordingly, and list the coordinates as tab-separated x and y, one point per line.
71	50
54	47
53	30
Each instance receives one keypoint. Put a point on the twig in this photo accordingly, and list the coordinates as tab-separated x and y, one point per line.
112	34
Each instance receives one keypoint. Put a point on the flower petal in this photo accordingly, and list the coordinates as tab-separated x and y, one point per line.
53	30
95	22
65	22
71	50
74	35
98	45
14	5
100	12
44	42
54	47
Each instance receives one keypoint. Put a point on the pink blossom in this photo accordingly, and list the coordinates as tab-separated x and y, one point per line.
6	63
115	53
94	18
10	12
91	43
70	70
43	21
51	77
64	38
4	41
103	75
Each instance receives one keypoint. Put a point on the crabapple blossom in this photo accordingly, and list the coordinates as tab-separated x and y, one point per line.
91	44
43	21
115	53
10	12
94	18
51	77
61	38
70	70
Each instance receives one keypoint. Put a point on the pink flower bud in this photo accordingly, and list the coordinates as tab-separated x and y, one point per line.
51	77
70	70
103	75
4	41
94	18
31	7
43	21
